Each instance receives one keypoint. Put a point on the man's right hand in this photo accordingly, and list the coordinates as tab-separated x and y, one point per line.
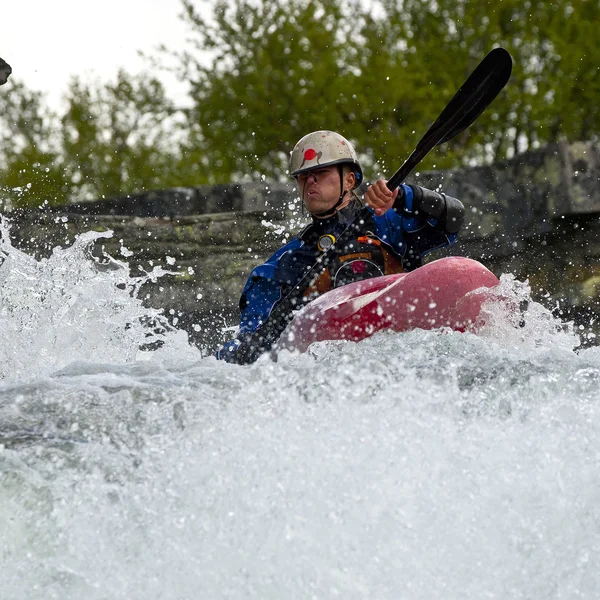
379	197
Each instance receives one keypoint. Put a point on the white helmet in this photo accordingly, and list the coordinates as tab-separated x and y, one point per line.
323	148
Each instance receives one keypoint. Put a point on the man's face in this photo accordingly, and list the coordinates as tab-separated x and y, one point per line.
320	188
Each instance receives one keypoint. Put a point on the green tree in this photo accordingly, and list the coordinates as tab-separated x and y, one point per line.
552	89
278	68
119	137
111	139
261	73
380	73
31	165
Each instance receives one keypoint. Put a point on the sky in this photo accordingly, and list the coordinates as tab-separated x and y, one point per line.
48	41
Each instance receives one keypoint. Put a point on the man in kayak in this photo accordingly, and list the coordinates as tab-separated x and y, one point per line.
403	225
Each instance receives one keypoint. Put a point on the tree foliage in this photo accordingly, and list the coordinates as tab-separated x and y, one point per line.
380	73
111	139
30	163
119	136
262	73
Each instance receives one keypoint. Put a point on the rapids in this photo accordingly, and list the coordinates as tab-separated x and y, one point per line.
409	466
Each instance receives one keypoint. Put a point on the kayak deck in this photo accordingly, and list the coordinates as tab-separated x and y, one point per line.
438	294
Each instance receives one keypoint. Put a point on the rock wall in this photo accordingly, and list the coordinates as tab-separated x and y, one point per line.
536	216
212	253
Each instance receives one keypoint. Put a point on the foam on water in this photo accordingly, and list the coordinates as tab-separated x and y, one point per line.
70	307
415	465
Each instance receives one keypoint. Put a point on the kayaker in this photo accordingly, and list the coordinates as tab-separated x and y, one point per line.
404	225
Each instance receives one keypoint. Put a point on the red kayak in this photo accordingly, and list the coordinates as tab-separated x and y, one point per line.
438	294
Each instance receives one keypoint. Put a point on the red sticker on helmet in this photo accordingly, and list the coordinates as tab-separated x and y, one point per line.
310	154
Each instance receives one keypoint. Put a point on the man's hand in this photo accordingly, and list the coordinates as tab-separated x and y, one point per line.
380	198
5	71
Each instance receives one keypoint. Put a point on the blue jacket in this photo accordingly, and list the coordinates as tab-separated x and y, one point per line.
407	236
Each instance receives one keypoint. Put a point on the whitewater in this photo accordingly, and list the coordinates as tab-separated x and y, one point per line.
419	465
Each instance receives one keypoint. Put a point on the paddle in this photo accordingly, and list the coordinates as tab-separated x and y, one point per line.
5	71
473	97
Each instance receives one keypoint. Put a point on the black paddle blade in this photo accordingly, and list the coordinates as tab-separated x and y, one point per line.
477	93
472	98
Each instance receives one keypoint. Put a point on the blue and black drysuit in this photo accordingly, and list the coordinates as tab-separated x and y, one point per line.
420	221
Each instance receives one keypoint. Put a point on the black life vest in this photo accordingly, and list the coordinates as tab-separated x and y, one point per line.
363	257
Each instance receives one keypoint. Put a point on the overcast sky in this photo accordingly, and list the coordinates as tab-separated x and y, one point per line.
48	41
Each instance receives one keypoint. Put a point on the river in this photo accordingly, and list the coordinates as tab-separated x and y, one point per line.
412	465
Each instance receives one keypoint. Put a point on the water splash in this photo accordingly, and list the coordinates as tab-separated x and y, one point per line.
512	317
71	307
416	465
359	470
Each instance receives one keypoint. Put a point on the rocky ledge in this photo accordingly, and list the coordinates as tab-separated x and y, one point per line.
535	216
